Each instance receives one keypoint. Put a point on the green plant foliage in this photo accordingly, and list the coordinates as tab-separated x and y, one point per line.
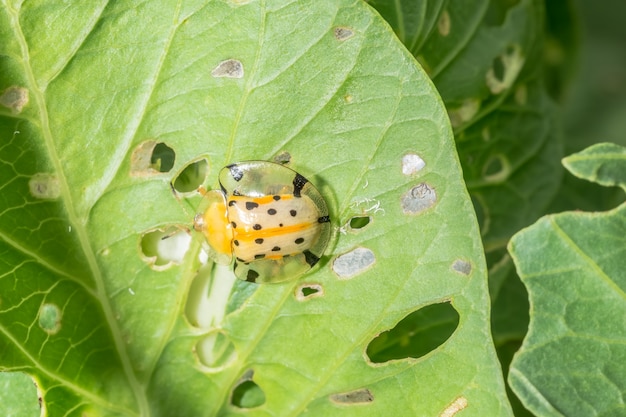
483	57
18	395
106	107
494	62
573	361
595	108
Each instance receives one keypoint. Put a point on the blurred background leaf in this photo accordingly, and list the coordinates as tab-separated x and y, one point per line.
510	144
572	361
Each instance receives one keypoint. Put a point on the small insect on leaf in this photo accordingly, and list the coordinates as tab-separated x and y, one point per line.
270	219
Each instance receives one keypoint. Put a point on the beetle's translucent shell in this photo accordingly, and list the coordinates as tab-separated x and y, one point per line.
269	218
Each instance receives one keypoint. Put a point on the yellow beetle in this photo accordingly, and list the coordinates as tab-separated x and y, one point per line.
269	218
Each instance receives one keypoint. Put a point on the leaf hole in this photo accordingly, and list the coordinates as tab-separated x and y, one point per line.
359	222
216	351
191	177
412	163
161	248
44	186
415	335
498	68
247	394
162	158
151	158
504	69
283	158
418	199
353	263
231	68
457	405
343	33
14	98
358	397
496	169
308	291
462	266
50	318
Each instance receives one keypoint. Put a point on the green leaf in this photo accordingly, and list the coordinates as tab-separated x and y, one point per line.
18	395
602	163
99	120
595	109
573	361
483	57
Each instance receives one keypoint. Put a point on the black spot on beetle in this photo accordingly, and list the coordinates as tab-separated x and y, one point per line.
252	276
280	225
276	249
299	240
257	227
310	257
323	219
271	212
298	183
259	256
258	241
293	213
232	203
233	224
250	205
236	242
276	197
236	193
236	172
242	261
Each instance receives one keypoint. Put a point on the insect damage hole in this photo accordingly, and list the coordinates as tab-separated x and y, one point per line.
14	98
215	351
44	186
359	222
151	158
50	318
247	394
464	113
308	291
282	158
357	397
412	163
443	25
457	405
191	177
496	169
162	248
209	295
231	68
418	199
462	266
343	33
505	69
416	335
353	263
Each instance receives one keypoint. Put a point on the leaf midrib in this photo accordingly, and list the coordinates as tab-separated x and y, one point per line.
38	96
